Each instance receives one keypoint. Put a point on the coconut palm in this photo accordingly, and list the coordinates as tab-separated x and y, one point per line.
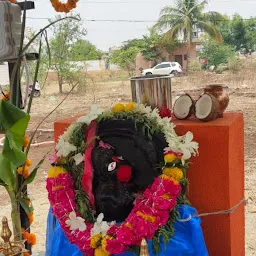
184	18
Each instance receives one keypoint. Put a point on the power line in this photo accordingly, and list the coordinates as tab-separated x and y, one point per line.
129	21
95	20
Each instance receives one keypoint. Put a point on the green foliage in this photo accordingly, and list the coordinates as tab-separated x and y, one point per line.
83	50
14	122
234	64
65	34
183	17
155	45
125	58
216	53
218	71
194	66
239	33
33	174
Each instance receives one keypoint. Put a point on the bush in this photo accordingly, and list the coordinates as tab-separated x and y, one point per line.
216	53
234	64
194	66
219	71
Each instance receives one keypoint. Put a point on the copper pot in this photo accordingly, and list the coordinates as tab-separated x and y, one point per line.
219	91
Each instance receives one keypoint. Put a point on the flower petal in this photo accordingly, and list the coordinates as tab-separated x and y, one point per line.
100	218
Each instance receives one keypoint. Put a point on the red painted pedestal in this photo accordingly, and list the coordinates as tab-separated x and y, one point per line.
216	179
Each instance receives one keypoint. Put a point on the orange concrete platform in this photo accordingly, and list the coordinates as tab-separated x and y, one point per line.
216	179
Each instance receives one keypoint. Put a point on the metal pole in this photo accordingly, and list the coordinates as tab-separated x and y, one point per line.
17	100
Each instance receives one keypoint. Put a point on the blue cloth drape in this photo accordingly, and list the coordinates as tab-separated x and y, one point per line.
188	238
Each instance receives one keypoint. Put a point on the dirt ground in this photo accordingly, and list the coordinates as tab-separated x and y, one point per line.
104	94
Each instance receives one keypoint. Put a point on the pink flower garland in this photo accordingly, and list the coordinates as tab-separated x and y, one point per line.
149	214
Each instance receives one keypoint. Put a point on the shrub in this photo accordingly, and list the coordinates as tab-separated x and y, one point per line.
194	66
216	53
234	64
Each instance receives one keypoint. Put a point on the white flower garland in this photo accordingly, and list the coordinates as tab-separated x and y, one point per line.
183	144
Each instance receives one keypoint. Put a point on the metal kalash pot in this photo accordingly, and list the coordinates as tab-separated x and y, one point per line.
152	90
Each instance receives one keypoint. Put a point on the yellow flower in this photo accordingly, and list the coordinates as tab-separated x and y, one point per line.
118	108
95	241
129	106
104	241
169	158
55	171
165	177
174	172
23	171
146	217
101	252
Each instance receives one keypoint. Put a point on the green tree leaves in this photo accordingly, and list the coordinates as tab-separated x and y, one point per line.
125	59
14	122
183	18
83	50
216	53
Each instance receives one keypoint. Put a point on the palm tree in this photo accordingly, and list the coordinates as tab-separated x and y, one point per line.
183	18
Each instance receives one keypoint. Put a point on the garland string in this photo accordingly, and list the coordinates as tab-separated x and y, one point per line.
229	211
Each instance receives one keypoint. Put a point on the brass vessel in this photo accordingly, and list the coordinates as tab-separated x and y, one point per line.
219	91
7	247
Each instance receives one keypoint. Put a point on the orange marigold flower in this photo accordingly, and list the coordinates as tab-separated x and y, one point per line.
28	162
31	239
129	225
25	173
6	96
26	254
26	142
165	177
130	106
146	217
30	217
54	188
21	170
174	172
166	196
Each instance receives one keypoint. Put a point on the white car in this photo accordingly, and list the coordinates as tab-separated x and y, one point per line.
164	68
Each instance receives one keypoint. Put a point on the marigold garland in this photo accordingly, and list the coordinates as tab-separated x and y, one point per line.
64	7
26	142
6	96
154	211
31	238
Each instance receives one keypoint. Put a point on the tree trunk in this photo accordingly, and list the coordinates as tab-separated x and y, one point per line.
188	57
60	80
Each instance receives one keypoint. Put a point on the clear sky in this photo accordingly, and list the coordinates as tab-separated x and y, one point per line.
105	34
